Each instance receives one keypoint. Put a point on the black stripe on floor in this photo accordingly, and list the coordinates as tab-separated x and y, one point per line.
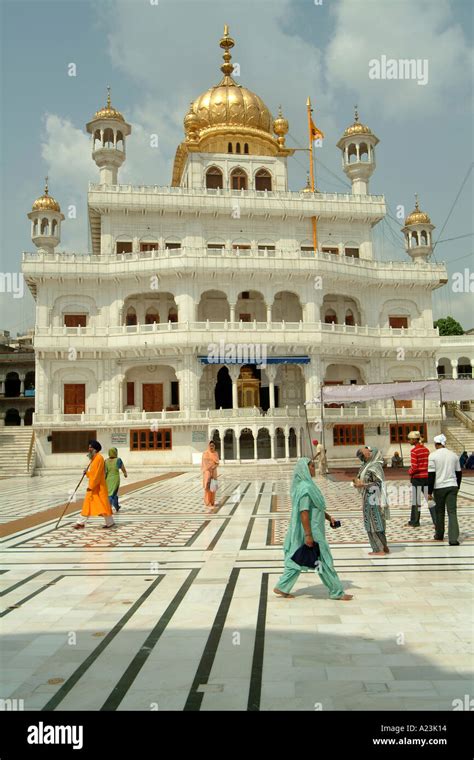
119	691
30	596
20	583
79	672
194	700
255	690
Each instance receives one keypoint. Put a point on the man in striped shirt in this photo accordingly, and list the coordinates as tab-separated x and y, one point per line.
418	473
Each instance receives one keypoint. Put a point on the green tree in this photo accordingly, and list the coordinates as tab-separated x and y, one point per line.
449	326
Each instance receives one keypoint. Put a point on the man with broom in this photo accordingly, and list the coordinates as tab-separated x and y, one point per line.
96	502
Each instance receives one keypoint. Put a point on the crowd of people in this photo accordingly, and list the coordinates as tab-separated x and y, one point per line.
435	479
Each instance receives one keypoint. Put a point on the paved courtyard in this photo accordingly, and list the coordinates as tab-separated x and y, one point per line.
174	610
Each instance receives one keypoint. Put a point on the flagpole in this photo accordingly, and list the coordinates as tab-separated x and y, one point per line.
311	173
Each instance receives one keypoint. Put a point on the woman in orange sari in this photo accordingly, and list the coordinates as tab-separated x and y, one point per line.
96	502
210	460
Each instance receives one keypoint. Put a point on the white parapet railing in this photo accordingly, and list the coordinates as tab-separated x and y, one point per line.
275	328
379	411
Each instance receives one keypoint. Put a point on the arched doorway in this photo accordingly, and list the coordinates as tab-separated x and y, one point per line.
12	417
229	444
279	443
292	442
217	441
223	389
29	416
264	450
246	444
12	385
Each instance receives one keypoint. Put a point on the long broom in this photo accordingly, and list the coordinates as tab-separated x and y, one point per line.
72	496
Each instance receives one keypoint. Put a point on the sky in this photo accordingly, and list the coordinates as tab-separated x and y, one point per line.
158	55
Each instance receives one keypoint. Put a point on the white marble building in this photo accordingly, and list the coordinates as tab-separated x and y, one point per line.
223	260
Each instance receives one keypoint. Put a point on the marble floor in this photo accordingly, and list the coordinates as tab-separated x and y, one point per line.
173	609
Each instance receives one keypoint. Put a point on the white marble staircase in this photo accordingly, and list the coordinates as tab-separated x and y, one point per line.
14	448
458	436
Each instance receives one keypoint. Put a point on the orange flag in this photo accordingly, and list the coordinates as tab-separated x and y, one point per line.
315	132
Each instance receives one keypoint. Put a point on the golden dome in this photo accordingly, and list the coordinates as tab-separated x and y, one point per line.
46	202
307	188
229	104
357	128
417	216
108	112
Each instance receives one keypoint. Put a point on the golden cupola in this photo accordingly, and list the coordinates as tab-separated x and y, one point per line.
229	118
357	128
417	216
46	202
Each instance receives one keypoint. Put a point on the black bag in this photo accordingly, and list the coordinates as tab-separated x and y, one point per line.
307	556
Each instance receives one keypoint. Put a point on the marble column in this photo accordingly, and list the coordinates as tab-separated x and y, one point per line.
287	444
271	372
454	367
237	444
234	372
272	444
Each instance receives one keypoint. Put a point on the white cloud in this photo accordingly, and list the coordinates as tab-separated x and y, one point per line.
399	30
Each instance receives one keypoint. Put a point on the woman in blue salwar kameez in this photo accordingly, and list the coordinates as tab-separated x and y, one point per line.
307	526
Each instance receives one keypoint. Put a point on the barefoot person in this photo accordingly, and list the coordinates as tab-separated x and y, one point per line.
210	460
113	465
371	481
307	526
96	502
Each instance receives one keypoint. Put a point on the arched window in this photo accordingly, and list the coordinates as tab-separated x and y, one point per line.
246	148
263	180
229	147
330	317
108	139
120	145
238	180
237	148
35	228
131	317
214	178
151	316
349	317
363	152
54	227
97	139
172	315
424	238
352	153
44	227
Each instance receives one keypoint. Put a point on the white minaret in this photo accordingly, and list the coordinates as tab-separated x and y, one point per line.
109	130
46	218
417	231
358	155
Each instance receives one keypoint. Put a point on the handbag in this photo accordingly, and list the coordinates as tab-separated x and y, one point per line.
307	556
213	484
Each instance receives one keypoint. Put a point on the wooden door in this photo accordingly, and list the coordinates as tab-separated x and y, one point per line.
74	398
75	320
152	397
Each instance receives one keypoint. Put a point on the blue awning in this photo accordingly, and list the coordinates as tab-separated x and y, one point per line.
258	361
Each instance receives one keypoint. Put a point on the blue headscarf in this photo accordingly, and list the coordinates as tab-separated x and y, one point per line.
302	485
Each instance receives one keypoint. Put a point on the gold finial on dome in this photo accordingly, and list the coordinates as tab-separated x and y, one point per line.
357	127
45	202
108	112
227	43
280	127
417	216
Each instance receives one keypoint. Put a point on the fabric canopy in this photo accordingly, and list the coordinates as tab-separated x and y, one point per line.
432	390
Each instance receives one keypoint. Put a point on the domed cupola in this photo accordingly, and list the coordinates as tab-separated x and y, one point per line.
358	154
46	218
230	118
417	231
